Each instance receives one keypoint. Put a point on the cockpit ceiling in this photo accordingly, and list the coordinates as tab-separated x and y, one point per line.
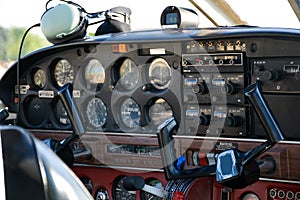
254	12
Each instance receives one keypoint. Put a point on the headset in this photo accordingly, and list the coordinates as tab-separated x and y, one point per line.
68	21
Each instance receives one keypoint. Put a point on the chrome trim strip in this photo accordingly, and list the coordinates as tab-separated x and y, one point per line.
280	180
175	136
219	138
120	167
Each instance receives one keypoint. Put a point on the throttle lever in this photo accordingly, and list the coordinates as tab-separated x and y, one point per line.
168	153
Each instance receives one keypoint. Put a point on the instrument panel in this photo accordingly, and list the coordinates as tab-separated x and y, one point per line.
118	96
133	86
126	87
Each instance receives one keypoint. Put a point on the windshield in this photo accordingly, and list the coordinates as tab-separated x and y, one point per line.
146	14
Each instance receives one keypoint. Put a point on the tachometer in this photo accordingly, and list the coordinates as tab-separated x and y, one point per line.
128	75
130	113
160	111
63	72
96	112
119	192
94	72
160	74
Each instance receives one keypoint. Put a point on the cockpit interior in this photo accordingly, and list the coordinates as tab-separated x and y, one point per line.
174	113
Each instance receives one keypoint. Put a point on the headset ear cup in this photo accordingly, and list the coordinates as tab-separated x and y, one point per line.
112	26
63	23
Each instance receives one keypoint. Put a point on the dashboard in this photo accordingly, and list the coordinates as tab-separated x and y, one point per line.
126	85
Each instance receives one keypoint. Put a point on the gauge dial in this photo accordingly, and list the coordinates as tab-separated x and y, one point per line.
154	183
119	192
250	196
160	74
160	111
94	72
61	114
39	78
63	72
129	75
96	112
130	113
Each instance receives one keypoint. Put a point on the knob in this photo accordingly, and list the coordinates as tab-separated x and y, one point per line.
232	121
200	88
228	88
102	194
204	119
271	75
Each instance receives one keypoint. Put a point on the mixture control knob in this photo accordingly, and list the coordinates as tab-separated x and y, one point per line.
204	119
200	88
232	121
271	75
228	88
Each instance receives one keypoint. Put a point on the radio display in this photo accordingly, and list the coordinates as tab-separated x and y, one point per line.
220	59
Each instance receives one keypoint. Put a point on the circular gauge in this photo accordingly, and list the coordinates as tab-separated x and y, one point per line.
154	183
94	72
96	112
63	72
250	196
130	113
129	75
160	111
119	192
35	111
160	73
61	114
39	78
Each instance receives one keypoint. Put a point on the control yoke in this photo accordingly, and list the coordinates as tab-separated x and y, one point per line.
61	148
234	168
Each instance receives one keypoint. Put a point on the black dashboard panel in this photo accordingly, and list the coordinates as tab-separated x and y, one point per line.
133	82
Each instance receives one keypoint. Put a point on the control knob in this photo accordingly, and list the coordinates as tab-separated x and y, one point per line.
200	88
102	194
232	121
271	75
229	88
204	119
